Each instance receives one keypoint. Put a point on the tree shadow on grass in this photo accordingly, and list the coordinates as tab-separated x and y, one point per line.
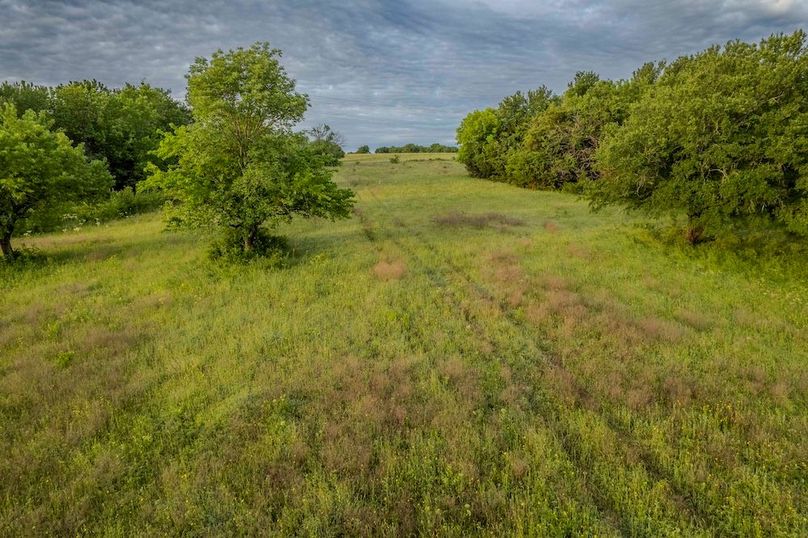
36	260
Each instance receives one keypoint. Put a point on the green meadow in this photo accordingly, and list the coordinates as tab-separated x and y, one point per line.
462	357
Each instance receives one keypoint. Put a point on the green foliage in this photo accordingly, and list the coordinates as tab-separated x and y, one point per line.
415	148
38	166
477	139
121	126
327	144
721	138
66	215
395	159
559	146
238	166
363	149
270	249
718	137
26	96
490	138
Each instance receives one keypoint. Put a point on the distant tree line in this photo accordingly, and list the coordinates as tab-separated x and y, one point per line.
414	148
718	137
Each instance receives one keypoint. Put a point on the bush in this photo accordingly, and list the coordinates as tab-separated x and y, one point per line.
65	216
719	139
229	247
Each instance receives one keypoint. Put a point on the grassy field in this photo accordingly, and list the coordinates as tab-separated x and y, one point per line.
462	357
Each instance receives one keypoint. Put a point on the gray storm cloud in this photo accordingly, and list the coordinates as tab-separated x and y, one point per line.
379	72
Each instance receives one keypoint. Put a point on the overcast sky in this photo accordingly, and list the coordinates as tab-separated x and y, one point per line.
380	72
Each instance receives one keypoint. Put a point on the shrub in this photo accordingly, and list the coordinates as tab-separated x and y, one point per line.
720	139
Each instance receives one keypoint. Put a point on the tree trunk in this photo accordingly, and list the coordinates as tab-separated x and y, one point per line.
694	234
5	244
250	238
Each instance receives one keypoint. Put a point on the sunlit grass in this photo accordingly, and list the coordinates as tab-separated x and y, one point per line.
461	357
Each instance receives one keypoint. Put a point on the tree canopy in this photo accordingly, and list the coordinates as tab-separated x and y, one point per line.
37	166
121	126
239	166
721	138
718	137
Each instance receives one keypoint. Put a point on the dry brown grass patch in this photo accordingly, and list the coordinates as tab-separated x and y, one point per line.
579	251
552	282
392	270
550	226
101	340
477	220
696	320
537	313
677	390
661	329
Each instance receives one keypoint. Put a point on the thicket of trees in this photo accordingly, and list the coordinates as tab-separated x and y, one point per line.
720	137
118	129
81	150
121	126
415	148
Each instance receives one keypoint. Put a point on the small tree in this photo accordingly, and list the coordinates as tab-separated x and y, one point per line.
327	143
238	165
478	145
363	149
37	166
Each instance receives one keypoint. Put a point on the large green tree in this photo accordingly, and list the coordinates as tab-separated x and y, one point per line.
558	144
722	138
37	166
238	165
489	138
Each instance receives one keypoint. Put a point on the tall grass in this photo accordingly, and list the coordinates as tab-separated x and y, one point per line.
423	368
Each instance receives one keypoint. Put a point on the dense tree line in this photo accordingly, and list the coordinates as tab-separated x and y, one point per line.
415	148
44	130
80	151
718	137
121	126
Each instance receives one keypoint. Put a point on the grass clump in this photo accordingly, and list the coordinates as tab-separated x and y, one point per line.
477	220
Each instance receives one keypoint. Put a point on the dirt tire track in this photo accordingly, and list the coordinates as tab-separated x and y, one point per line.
683	499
